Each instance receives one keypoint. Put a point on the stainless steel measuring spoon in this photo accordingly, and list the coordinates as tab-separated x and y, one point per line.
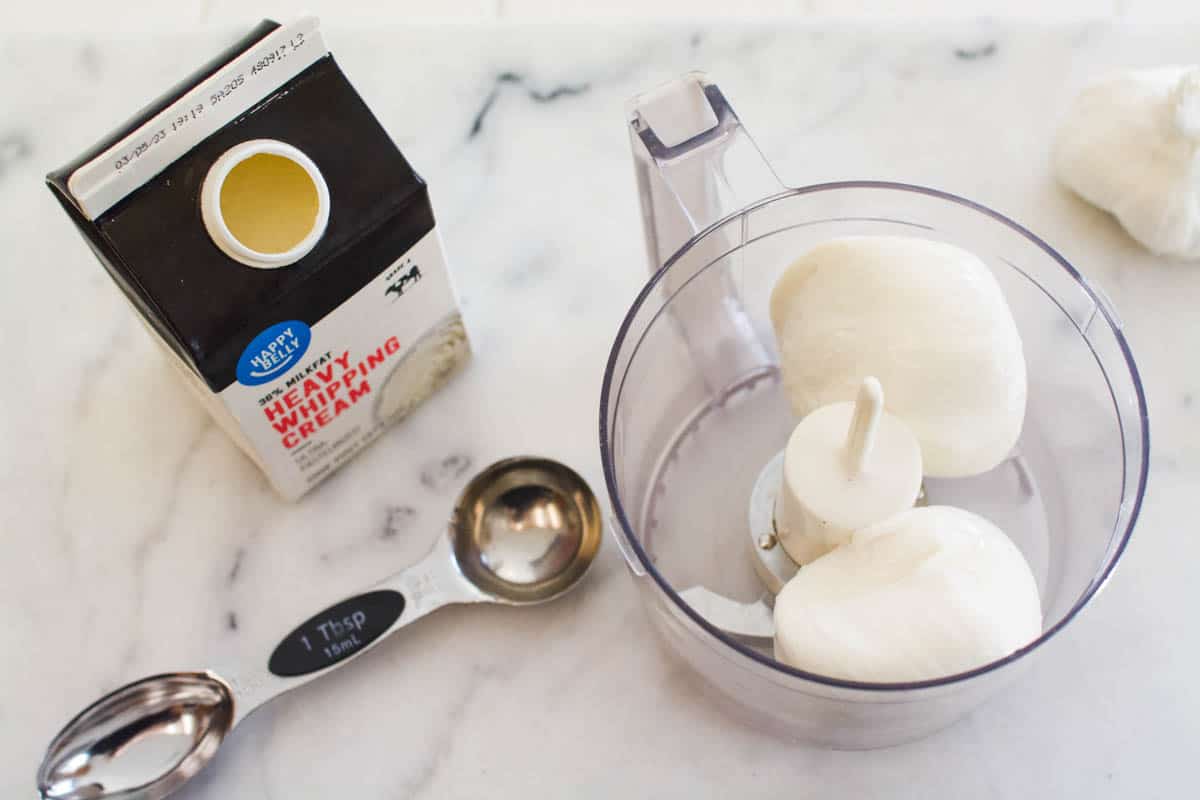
523	531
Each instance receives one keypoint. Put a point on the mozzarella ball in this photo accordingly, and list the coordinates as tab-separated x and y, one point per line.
927	593
929	321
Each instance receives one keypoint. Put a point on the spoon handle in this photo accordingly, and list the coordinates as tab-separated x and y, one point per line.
347	629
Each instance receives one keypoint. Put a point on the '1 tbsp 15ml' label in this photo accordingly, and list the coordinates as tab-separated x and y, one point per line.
340	631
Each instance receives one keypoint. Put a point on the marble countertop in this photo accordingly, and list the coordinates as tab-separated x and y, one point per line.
135	538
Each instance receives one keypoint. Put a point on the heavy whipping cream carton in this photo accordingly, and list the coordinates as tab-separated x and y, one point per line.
279	246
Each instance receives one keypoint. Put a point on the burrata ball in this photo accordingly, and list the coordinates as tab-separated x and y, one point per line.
927	319
927	593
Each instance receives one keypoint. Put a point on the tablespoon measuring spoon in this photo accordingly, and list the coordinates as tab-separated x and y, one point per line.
523	531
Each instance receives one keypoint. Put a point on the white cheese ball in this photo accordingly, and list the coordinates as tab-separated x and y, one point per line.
1130	144
929	321
927	593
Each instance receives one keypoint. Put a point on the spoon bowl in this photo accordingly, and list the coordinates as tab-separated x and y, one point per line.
524	531
170	725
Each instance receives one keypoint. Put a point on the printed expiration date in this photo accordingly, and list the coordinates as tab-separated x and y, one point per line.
278	54
226	90
141	148
231	86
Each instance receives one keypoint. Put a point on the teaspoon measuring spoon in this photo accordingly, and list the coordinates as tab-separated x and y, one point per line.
523	531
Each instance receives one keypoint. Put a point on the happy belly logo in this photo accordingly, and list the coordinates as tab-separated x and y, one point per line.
273	352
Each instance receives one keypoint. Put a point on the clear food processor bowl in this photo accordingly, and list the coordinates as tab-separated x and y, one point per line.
692	408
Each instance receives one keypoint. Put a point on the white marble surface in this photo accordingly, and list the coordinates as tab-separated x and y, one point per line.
135	538
153	15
